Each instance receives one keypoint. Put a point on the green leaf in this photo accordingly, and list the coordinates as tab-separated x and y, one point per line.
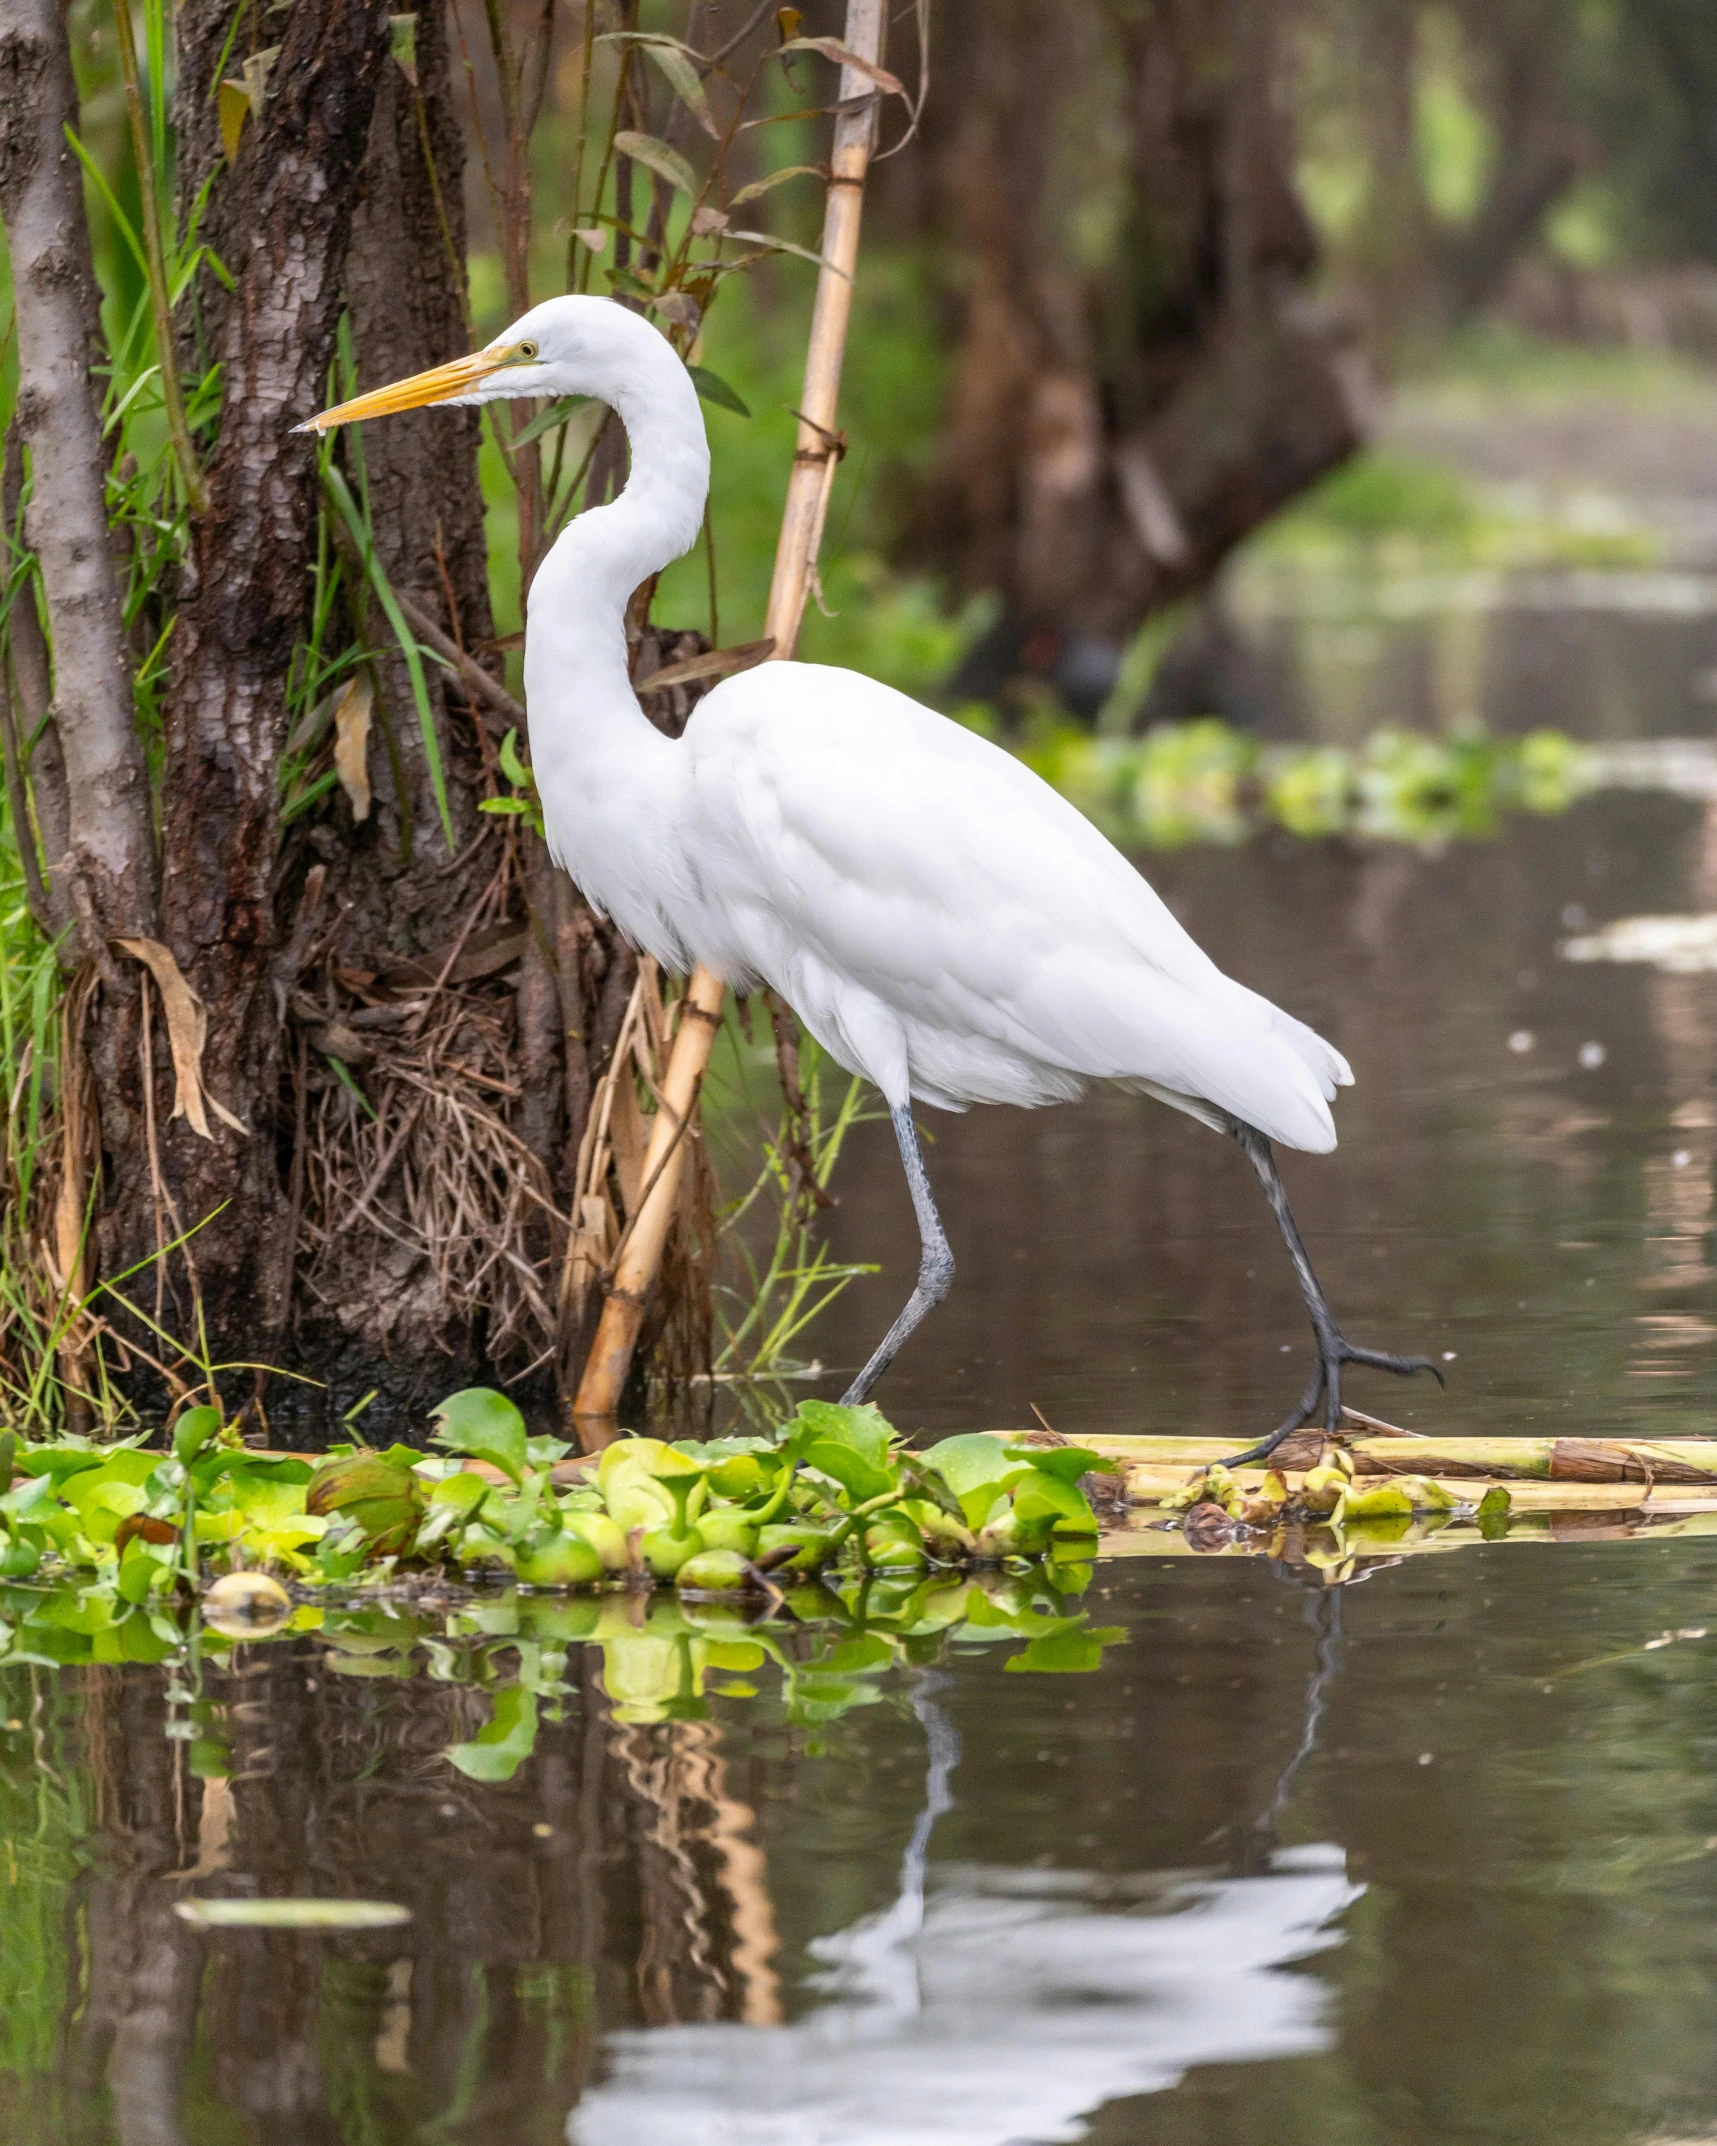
774	179
682	79
501	1747
341	495
713	388
646	149
1062	1653
512	766
486	1426
193	1431
851	1445
557	413
977	1469
1069	1463
1039	1495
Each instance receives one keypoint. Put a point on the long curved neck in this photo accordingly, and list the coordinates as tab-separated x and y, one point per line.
579	695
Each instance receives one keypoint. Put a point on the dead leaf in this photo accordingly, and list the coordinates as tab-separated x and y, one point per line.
787	21
718	663
242	98
187	1032
843	55
706	219
590	235
352	742
235	110
255	72
684	312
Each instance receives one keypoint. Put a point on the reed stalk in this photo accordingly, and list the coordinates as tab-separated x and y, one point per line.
816	455
160	290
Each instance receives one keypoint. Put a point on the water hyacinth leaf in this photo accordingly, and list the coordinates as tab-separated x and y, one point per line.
851	1445
713	388
1069	1463
1067	1653
59	1463
141	1525
501	1747
292	1914
977	1469
383	1498
1041	1496
193	1430
647	150
483	1425
462	1493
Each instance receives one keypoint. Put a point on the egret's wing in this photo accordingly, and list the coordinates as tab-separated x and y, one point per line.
846	823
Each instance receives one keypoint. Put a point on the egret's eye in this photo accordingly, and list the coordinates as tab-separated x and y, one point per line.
525	351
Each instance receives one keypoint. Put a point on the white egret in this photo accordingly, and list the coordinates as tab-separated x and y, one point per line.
940	919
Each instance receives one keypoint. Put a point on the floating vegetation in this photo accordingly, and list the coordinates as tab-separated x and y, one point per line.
1204	781
816	1650
833	1492
1331	1505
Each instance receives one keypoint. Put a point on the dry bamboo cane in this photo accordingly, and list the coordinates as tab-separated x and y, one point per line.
814	459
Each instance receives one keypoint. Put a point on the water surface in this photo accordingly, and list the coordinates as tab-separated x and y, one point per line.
1419	1861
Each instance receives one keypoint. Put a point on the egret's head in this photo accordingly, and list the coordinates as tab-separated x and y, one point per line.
565	346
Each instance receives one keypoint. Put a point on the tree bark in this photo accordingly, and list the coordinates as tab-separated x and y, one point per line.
1115	429
371	1313
287	214
106	876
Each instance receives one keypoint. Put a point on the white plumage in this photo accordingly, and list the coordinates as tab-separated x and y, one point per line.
941	920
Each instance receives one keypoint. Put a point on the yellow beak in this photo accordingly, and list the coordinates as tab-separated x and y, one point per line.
440	384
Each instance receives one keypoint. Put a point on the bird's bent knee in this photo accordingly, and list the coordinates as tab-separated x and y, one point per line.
936	1273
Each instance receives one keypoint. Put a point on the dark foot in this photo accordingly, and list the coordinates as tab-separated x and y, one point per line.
1334	1351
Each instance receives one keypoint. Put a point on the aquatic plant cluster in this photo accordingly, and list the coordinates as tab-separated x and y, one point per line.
833	1492
663	1657
1333	1515
1204	781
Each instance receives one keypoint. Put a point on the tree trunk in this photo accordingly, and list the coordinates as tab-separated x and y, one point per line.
106	876
1116	429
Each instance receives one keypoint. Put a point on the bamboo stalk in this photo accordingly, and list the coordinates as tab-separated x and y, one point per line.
814	459
1465	1461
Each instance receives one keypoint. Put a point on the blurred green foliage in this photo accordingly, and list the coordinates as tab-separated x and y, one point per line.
1204	781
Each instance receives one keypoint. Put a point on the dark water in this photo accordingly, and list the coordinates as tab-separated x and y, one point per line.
1432	1858
1408	1861
1547	1220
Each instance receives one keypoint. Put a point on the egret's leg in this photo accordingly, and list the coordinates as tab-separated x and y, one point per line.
1334	1349
935	1264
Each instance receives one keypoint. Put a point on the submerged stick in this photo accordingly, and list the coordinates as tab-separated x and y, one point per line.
819	448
